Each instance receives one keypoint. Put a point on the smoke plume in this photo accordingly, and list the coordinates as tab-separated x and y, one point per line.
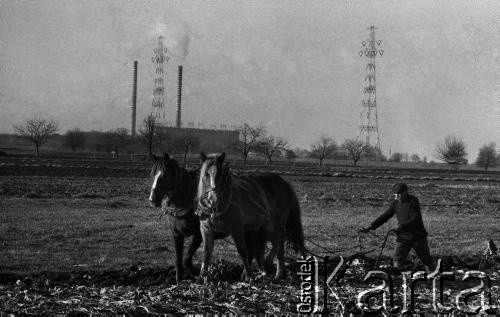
176	34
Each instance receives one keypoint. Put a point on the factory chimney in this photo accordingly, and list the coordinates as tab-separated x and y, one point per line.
179	97
134	100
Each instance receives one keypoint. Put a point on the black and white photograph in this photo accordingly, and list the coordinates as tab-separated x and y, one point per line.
220	157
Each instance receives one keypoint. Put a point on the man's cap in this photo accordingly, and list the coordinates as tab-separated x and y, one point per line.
399	188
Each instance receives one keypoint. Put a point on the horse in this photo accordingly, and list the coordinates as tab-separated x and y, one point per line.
238	204
174	187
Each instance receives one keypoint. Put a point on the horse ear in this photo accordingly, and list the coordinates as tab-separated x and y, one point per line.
221	157
203	157
166	156
154	158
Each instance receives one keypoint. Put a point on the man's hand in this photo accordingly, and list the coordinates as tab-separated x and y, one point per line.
365	229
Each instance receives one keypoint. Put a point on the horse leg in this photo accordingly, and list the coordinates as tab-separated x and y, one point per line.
179	248
259	256
277	238
239	240
269	259
195	244
250	240
256	246
208	247
258	249
280	253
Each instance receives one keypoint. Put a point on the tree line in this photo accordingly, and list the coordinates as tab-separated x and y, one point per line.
150	138
252	140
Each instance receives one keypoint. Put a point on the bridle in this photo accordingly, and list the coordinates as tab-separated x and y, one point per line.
205	194
204	208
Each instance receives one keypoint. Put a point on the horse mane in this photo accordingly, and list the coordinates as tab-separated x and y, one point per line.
226	173
156	167
158	164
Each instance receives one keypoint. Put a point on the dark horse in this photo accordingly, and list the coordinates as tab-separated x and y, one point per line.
238	204
176	186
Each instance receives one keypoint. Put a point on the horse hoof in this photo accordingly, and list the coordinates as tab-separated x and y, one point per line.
260	276
170	280
245	277
198	280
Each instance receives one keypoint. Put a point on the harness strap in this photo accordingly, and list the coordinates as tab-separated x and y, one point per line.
177	211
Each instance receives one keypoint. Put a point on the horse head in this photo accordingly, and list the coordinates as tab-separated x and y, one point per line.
213	186
165	174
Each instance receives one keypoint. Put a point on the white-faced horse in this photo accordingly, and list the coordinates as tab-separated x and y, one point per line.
238	204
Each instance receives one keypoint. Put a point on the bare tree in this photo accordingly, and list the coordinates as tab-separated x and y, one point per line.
372	152
95	141
163	139
451	151
405	157
148	133
415	158
301	152
324	148
37	130
185	143
117	139
396	157
270	145
487	156
249	139
290	155
75	139
354	149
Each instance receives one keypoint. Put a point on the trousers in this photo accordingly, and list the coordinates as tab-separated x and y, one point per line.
421	247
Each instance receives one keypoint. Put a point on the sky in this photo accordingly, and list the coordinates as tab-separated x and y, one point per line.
291	65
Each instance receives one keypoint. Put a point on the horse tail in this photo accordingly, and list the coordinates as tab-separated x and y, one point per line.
294	231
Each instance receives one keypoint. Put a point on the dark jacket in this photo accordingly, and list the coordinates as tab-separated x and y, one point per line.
410	224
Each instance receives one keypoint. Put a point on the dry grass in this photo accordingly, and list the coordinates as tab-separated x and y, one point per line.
67	232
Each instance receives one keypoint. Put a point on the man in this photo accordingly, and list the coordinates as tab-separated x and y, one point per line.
411	233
